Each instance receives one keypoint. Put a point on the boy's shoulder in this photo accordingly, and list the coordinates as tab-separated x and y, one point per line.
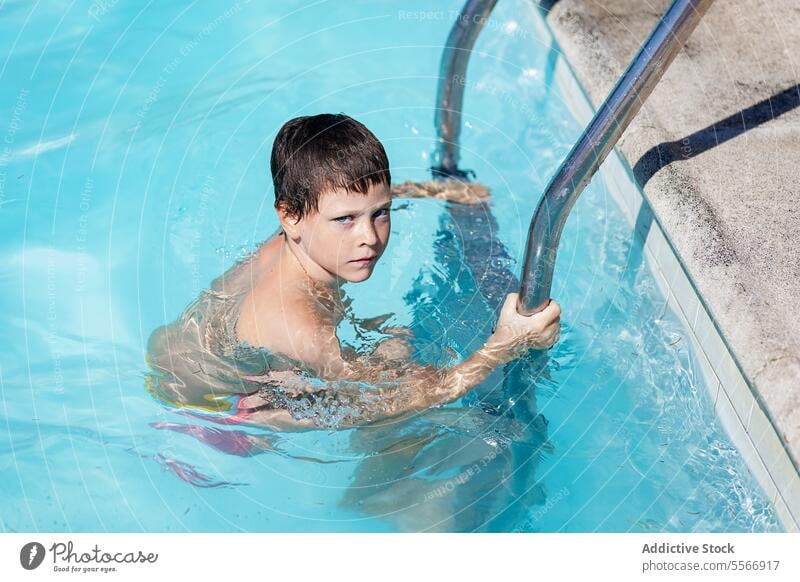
279	318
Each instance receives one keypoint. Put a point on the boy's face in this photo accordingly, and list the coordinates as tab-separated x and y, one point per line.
349	226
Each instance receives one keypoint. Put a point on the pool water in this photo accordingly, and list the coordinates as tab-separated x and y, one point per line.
134	170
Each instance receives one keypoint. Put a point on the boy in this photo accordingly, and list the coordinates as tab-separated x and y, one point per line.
333	196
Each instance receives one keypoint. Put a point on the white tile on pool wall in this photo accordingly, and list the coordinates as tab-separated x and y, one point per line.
702	320
703	367
659	299
651	248
685	294
733	383
663	287
717	351
774	455
662	252
792	497
621	186
785	516
730	421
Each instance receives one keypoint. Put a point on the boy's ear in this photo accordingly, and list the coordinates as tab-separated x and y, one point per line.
288	221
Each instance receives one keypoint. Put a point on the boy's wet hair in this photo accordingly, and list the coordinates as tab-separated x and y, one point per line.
320	153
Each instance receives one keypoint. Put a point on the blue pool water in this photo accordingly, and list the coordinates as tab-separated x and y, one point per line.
135	140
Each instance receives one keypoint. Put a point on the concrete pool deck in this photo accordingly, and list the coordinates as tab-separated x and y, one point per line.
716	150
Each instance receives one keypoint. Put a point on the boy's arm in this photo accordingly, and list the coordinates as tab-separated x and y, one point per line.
450	190
398	388
394	388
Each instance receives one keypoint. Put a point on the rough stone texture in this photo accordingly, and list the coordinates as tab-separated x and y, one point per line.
717	150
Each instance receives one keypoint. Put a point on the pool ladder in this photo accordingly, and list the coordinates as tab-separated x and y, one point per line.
588	153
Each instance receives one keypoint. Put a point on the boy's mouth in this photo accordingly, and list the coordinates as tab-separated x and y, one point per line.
365	260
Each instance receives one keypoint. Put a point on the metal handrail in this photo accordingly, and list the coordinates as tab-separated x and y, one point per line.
452	76
602	133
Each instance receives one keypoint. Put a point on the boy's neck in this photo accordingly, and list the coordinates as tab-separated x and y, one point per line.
303	268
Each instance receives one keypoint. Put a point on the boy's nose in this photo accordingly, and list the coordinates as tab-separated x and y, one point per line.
369	236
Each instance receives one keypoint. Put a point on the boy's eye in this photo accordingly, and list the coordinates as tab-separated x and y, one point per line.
378	213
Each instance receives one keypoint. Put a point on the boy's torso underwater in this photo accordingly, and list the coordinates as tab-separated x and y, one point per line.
201	364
